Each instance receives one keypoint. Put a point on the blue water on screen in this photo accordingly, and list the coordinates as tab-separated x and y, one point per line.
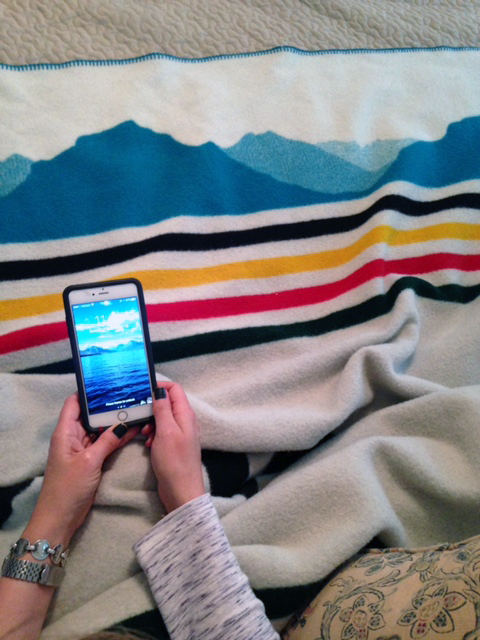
116	380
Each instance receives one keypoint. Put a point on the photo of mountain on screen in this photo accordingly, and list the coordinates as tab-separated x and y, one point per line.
112	354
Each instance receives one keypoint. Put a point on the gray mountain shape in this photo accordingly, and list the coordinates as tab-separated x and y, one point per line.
327	167
375	156
13	171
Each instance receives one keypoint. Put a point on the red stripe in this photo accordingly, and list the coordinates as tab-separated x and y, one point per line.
33	337
219	307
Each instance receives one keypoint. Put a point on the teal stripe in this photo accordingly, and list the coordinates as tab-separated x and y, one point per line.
41	66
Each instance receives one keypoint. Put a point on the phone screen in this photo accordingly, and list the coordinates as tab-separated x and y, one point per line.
112	354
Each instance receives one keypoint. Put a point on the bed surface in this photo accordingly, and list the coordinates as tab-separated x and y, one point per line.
33	31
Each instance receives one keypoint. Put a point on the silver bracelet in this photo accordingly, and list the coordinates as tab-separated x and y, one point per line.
40	550
43	574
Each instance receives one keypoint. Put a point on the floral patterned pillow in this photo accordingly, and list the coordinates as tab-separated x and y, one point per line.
394	594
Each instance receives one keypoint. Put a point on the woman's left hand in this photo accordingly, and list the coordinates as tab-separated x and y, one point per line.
72	476
73	473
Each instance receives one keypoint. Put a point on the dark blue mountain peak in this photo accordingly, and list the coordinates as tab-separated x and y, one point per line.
122	135
453	158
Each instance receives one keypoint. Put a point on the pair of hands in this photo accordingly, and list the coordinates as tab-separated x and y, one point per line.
74	467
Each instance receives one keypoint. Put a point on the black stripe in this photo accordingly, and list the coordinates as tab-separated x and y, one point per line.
228	340
228	472
149	622
7	494
47	267
285	601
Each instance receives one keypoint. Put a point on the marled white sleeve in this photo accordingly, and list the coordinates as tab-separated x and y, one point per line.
196	580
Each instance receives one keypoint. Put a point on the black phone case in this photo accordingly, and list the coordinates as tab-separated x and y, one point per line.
76	357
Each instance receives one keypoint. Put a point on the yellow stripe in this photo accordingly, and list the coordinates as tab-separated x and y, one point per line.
35	306
264	268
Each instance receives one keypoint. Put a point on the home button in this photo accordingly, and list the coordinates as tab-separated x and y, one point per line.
122	416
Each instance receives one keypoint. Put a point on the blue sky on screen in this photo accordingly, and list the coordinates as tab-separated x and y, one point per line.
107	323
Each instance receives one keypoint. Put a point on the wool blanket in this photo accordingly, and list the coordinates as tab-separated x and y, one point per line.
306	227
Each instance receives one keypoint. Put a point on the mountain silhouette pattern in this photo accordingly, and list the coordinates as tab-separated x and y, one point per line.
132	176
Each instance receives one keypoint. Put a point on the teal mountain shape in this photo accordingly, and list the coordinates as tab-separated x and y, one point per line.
130	176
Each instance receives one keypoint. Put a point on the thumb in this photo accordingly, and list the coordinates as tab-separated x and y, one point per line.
161	404
113	438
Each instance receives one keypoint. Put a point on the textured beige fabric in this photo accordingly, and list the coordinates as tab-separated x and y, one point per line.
58	30
398	593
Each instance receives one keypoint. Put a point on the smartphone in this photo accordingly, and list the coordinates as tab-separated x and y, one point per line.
112	354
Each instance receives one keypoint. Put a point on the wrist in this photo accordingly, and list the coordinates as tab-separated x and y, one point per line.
47	527
174	500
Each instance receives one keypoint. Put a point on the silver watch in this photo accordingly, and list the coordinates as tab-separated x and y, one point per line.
44	574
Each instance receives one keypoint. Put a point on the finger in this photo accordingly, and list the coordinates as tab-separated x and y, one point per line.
172	409
147	429
149	441
162	409
181	409
70	411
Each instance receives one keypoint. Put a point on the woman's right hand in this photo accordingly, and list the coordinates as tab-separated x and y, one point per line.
175	447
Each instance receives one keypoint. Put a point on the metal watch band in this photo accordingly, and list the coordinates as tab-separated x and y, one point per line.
44	574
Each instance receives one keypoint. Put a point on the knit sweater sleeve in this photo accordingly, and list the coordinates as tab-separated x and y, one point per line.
196	580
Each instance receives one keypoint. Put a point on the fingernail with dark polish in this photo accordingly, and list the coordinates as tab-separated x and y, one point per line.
160	393
120	430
